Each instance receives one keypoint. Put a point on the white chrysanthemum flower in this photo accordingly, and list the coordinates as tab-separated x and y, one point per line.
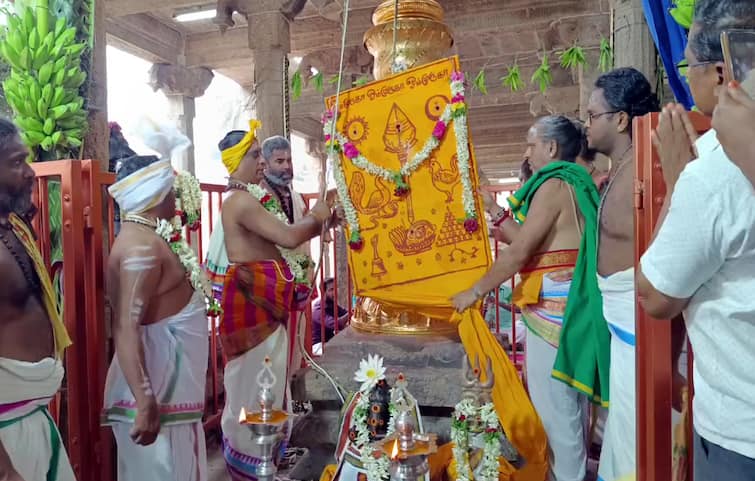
370	372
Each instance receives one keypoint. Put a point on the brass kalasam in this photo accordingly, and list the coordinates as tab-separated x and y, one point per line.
422	36
377	318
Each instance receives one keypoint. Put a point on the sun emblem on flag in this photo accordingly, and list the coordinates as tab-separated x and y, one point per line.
357	130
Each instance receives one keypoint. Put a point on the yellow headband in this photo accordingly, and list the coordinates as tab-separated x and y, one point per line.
232	156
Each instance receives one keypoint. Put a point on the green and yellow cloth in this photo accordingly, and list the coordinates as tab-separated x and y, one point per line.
583	358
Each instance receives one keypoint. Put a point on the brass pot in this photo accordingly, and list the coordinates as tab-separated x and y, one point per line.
421	38
377	318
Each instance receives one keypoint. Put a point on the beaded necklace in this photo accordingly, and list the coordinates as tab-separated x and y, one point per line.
24	263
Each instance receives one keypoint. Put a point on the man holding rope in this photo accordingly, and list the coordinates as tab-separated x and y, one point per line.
258	290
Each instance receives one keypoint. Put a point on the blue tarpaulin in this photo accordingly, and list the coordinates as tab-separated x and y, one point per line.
671	40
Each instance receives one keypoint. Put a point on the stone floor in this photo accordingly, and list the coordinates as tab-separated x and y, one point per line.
215	464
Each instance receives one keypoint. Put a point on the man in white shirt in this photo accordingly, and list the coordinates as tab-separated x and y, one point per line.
702	260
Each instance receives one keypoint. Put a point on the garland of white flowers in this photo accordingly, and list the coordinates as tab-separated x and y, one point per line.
465	414
188	200
455	112
370	372
298	263
168	231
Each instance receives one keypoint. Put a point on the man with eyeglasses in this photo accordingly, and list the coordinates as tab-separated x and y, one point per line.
702	259
618	97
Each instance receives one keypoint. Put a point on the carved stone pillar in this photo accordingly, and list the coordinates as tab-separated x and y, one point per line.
182	85
633	44
270	43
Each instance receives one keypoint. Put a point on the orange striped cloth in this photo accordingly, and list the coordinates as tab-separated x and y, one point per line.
257	299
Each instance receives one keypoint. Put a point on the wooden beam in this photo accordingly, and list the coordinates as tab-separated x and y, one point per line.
120	8
215	50
145	37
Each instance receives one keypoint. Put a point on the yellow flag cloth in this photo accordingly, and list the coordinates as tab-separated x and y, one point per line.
417	251
232	156
24	235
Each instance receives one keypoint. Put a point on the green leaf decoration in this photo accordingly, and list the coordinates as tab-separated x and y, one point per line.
481	83
542	76
317	81
513	79
572	57
296	85
334	79
605	63
683	12
363	80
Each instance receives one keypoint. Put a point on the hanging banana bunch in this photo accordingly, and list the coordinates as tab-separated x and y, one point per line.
43	86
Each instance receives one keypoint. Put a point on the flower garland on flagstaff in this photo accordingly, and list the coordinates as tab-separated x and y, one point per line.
188	200
371	371
298	263
455	112
172	235
466	414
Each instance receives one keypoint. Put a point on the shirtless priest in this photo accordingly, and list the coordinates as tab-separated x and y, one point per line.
154	394
32	335
258	291
554	252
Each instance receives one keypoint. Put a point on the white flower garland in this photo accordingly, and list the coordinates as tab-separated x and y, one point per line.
189	261
455	112
188	199
298	263
465	414
378	468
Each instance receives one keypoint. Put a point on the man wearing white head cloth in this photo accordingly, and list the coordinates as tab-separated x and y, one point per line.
154	394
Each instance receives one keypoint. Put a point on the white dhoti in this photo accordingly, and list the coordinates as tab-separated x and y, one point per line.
565	413
240	453
27	431
618	458
175	356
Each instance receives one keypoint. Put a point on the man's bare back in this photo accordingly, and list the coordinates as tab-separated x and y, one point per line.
140	248
566	231
616	224
25	329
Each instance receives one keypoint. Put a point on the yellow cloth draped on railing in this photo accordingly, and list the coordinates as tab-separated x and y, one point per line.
417	251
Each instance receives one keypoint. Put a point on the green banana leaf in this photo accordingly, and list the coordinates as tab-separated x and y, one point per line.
683	12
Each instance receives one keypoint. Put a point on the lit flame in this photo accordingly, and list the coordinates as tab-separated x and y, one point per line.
394	451
242	416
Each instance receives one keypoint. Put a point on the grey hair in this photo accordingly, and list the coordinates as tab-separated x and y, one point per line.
274	143
713	17
564	132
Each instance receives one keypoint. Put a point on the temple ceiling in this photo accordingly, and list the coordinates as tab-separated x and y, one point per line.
489	34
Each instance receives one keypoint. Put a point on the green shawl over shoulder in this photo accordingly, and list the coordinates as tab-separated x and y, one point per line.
583	357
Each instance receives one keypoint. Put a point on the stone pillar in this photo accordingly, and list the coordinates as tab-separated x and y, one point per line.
182	85
270	43
633	44
96	143
182	112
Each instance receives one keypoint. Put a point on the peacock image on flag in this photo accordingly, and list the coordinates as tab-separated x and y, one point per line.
407	178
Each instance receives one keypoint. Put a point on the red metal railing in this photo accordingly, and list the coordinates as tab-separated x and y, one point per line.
653	354
87	233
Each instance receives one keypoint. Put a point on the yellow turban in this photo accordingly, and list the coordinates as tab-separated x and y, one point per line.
232	156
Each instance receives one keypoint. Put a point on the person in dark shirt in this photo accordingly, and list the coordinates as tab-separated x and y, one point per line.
330	313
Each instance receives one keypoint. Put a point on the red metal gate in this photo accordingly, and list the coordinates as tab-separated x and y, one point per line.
653	354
